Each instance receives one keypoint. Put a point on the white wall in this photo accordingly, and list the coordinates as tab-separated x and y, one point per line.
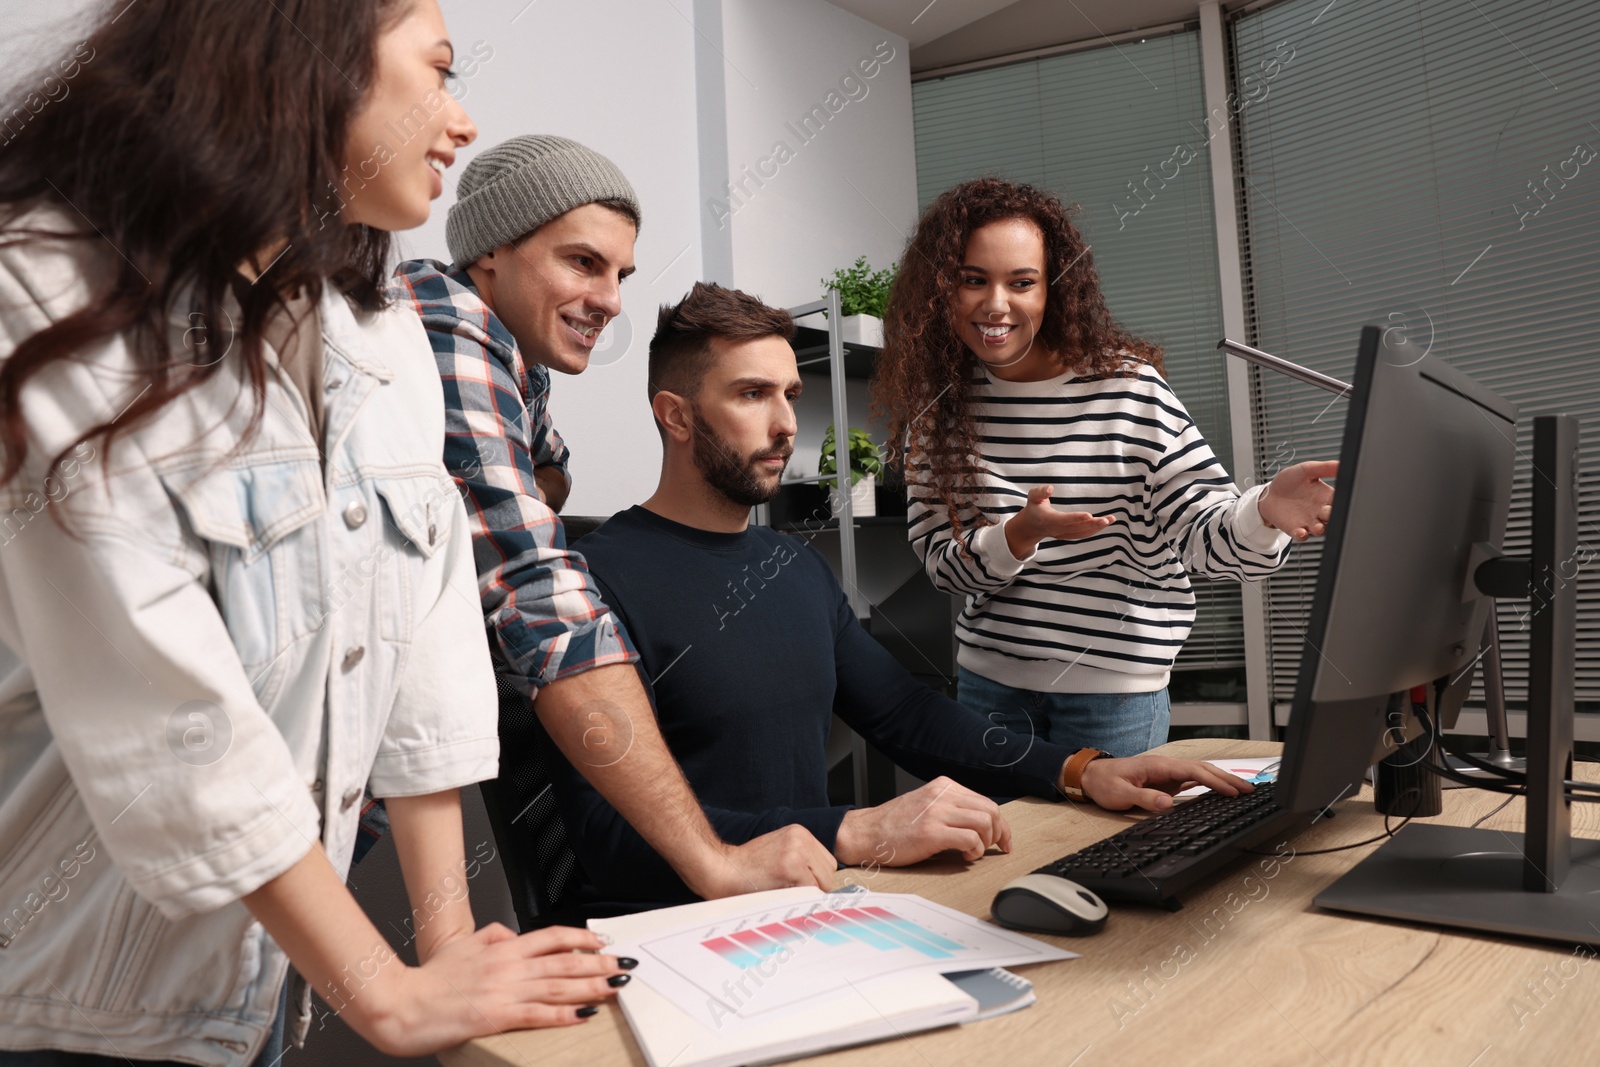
810	198
817	163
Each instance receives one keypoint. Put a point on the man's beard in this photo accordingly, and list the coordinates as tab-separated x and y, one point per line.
722	470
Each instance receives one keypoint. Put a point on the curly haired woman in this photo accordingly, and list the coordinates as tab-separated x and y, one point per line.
1056	480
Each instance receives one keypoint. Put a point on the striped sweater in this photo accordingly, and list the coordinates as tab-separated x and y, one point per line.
1107	613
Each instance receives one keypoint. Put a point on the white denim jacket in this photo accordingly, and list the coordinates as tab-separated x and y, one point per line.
197	683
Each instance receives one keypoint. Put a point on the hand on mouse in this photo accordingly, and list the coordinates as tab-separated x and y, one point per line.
1149	781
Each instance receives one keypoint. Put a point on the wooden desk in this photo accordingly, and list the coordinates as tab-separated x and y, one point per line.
1248	972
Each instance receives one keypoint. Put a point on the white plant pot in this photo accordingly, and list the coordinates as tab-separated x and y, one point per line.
862	330
863	501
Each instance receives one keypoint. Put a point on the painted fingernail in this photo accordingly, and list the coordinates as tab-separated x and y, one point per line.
617	981
586	1012
627	963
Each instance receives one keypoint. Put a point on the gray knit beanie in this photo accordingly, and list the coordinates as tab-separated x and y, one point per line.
514	188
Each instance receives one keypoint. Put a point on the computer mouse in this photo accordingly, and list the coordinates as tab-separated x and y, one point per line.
1046	904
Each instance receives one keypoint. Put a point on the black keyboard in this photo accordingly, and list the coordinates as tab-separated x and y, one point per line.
1154	860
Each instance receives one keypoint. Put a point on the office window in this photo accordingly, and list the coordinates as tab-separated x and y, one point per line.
1428	167
1121	131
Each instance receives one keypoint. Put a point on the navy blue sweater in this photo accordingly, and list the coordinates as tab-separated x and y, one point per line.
748	643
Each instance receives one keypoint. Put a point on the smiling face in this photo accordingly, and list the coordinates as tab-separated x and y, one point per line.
742	418
408	127
558	288
1000	302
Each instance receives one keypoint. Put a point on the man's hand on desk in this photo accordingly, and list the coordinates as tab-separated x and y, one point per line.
924	822
787	856
1149	781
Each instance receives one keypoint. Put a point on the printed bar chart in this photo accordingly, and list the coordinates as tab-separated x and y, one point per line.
876	927
780	932
739	957
809	927
788	951
905	931
756	943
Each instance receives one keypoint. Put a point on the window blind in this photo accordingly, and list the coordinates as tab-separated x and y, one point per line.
1429	167
1120	130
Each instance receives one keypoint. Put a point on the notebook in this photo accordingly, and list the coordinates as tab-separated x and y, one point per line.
996	990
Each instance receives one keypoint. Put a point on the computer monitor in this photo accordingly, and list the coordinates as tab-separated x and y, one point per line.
1424	482
1412	552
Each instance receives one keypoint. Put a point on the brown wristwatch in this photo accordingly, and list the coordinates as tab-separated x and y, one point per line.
1072	771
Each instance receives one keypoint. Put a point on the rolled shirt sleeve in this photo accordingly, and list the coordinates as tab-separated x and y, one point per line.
538	599
549	450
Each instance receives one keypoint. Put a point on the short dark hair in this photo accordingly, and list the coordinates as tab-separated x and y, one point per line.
680	351
623	208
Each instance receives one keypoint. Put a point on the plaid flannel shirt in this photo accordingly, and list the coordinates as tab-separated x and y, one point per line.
540	605
543	612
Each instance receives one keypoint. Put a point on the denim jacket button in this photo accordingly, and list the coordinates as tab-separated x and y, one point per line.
353	656
355	513
349	799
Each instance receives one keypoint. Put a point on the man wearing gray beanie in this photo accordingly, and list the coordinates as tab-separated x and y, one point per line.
541	237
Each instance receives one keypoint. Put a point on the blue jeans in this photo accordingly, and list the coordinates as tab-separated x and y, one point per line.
1123	724
271	1052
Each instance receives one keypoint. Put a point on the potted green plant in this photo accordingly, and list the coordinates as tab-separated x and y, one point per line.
863	299
865	466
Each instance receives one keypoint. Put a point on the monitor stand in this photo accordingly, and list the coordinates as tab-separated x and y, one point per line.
1540	884
1494	706
1453	876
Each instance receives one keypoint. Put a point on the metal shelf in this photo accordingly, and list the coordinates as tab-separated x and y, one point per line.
812	352
833	524
832	362
823	352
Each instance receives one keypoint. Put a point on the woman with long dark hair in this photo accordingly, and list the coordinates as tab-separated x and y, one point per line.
1056	480
236	585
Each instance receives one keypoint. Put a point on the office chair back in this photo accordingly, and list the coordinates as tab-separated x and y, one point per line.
538	860
539	864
